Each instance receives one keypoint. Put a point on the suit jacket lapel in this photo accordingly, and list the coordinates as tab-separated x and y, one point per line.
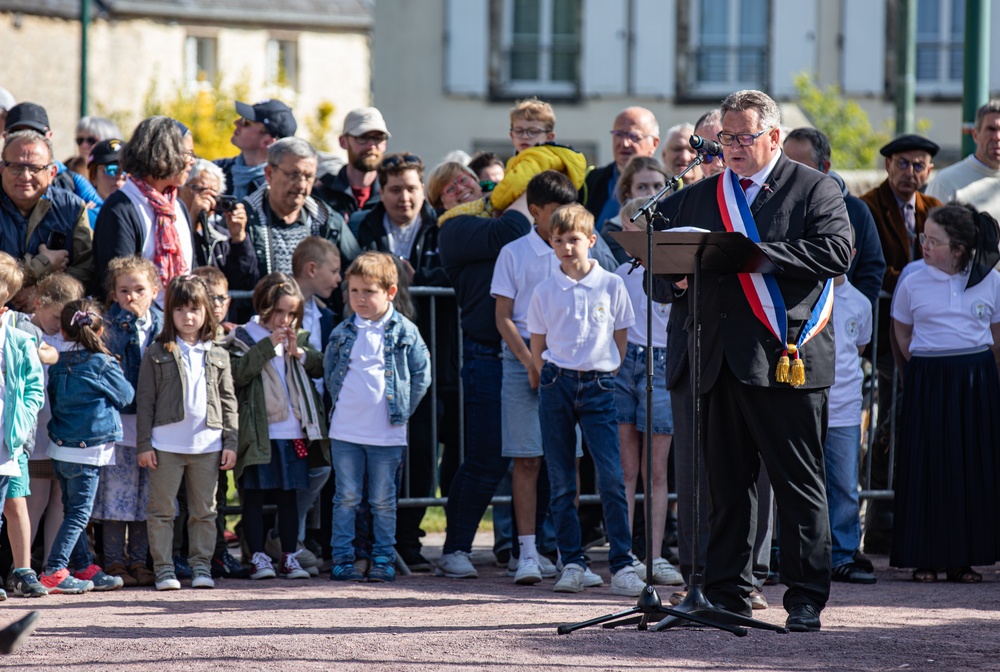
771	186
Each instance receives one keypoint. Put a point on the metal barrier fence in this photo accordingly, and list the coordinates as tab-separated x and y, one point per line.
870	405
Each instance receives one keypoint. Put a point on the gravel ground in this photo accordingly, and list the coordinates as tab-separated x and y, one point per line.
427	623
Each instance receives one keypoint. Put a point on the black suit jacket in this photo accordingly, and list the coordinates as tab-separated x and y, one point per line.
804	229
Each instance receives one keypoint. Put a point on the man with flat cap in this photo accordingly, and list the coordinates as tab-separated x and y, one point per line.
899	210
257	128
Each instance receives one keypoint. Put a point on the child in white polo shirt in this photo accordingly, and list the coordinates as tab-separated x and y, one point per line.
579	320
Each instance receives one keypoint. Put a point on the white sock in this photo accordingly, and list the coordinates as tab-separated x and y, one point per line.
527	545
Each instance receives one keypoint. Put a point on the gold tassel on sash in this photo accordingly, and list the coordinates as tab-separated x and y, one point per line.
798	372
781	373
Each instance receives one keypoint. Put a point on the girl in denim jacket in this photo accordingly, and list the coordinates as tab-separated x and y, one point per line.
132	322
186	428
87	389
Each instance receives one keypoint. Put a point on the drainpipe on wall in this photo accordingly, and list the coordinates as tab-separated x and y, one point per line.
976	70
906	72
84	47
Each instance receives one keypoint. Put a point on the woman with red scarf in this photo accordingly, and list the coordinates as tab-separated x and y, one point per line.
145	217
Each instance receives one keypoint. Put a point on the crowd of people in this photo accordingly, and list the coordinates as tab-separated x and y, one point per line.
133	383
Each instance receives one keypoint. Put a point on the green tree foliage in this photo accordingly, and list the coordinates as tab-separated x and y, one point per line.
854	142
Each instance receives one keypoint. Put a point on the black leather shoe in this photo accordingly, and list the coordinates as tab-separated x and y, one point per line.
853	572
803	618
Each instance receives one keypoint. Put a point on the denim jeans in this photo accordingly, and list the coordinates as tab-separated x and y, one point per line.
79	488
353	464
476	480
588	398
840	455
318	476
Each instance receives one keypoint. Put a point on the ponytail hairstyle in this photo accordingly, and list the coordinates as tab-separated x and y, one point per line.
81	323
186	290
271	289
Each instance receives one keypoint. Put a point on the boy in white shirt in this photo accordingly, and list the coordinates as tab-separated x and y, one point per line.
852	321
377	370
579	320
521	266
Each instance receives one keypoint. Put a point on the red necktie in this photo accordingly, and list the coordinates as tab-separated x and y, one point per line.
745	184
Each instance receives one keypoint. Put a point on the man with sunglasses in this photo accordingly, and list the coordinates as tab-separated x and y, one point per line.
752	325
44	226
900	211
258	127
635	133
356	186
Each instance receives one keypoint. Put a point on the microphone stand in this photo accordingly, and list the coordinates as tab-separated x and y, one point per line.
649	607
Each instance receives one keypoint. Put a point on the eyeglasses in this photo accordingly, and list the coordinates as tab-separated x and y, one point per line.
632	137
294	175
931	243
905	164
743	139
400	159
201	190
243	121
16	169
113	170
190	155
462	180
219	299
370	138
89	140
528	133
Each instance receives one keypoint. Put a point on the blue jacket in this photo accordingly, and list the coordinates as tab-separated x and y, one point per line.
87	391
25	392
122	339
407	362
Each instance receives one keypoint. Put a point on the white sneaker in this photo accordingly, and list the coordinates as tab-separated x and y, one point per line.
571	580
639	566
592	579
203	581
262	567
457	565
290	567
167	583
665	574
545	566
528	572
627	582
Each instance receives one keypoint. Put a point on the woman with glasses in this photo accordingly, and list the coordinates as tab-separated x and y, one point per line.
92	130
451	184
946	318
145	216
104	167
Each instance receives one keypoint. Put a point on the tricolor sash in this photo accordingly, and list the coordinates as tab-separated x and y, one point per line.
761	289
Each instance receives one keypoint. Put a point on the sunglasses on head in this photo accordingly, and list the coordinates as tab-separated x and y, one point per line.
399	159
90	140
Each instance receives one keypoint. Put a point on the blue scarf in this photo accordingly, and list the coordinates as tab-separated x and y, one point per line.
243	175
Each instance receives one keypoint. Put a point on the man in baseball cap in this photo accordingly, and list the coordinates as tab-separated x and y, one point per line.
258	126
27	115
355	187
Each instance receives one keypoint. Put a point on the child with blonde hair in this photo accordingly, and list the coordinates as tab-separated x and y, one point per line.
21	396
377	371
132	321
186	429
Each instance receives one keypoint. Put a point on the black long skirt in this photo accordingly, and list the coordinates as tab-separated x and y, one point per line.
947	464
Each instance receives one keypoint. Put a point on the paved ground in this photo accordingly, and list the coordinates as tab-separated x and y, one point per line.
428	623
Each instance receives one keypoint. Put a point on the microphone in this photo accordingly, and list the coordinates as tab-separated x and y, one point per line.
710	147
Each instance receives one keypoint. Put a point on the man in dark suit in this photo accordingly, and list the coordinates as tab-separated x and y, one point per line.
748	414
